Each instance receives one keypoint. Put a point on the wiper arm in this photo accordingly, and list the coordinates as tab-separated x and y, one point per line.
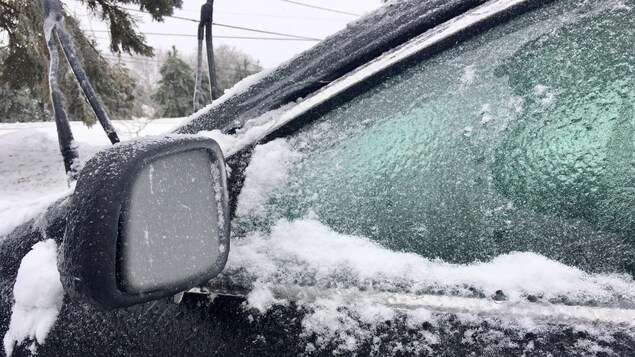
54	27
85	84
205	33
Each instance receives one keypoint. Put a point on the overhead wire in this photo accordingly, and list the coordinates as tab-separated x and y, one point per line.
275	16
234	27
321	8
145	61
221	36
266	32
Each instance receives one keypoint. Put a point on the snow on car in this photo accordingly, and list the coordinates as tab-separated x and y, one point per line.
468	190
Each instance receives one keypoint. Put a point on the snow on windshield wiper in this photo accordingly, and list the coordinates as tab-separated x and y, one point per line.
54	28
205	32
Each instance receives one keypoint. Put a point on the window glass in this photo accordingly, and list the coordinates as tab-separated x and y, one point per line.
522	139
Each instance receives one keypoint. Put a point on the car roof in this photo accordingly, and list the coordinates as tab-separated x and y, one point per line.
361	41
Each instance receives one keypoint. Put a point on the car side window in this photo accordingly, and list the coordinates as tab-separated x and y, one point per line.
520	139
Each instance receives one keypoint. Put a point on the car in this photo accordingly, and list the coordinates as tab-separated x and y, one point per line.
439	178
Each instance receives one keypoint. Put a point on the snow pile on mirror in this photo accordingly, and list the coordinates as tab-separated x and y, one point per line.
38	295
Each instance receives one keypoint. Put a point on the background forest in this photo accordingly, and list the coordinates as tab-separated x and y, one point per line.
133	80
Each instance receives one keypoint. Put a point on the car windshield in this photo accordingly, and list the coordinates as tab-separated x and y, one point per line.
503	168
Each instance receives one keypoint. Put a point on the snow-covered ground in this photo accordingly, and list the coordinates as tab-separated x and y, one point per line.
31	167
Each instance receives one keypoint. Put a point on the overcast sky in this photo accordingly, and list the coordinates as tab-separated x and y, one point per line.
268	15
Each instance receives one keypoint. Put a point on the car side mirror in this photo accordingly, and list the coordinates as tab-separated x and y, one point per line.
149	218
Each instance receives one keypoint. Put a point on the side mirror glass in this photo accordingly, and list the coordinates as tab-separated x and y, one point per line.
148	219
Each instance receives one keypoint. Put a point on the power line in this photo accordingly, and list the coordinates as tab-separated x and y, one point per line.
140	60
276	16
230	37
236	27
262	15
321	8
267	32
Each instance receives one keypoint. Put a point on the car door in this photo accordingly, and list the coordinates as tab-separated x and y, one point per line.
468	192
498	174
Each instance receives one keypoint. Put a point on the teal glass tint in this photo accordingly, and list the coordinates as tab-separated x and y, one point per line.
520	139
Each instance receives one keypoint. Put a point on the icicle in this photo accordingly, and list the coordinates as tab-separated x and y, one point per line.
207	13
199	69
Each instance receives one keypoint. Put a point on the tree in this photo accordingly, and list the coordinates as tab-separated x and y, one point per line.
175	92
18	105
25	72
123	36
176	87
232	65
26	60
18	15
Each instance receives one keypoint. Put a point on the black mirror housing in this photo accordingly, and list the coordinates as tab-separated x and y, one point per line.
124	245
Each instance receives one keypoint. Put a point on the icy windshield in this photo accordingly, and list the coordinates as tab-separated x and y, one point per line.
501	169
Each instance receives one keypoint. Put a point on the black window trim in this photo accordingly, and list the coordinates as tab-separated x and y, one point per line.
429	43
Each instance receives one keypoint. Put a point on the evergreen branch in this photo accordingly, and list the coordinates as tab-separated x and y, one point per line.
159	8
123	34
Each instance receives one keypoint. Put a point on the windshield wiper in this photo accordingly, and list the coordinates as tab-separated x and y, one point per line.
54	28
205	32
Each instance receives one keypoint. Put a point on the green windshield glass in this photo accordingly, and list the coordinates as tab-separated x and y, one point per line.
521	139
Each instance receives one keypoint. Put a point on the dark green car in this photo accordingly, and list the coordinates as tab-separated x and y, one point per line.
440	178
